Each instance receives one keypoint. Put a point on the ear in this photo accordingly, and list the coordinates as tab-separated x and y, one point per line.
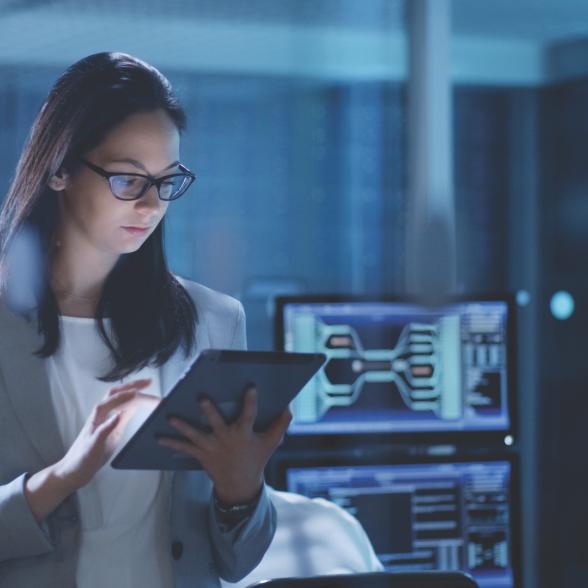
58	181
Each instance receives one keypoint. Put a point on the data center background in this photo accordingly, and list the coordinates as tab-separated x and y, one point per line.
303	178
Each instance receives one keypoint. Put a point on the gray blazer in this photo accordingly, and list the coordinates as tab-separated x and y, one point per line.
43	555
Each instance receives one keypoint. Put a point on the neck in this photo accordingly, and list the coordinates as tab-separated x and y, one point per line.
78	273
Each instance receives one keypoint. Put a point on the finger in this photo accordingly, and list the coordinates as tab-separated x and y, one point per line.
102	409
116	400
134	385
182	446
193	435
131	385
149	399
131	398
215	418
104	429
249	412
277	430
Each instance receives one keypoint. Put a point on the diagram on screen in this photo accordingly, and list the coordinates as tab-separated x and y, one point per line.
398	368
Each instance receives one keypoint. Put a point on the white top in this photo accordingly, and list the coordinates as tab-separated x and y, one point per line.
314	537
124	514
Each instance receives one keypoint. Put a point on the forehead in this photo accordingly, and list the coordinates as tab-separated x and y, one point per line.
150	138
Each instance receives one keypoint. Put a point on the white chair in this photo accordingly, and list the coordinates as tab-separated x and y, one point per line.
313	537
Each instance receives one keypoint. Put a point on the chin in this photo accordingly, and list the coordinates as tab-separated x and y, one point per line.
130	248
133	249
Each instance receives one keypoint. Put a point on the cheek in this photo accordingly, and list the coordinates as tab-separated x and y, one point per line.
101	213
97	214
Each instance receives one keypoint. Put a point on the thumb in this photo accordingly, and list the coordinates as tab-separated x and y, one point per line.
276	431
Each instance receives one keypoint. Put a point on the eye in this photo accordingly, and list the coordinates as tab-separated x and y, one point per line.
127	180
125	186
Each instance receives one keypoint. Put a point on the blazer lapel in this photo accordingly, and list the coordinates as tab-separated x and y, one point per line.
175	366
27	384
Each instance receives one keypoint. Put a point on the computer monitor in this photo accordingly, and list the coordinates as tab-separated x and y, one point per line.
401	366
443	516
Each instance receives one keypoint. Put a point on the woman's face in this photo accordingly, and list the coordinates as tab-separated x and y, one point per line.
89	210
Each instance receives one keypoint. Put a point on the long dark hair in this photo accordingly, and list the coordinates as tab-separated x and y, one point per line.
151	313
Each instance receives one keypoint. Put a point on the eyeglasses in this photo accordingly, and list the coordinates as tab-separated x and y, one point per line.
133	186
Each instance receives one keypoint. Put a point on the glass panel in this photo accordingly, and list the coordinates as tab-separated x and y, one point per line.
296	120
299	146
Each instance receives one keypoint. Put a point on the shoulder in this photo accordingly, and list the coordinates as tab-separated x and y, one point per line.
14	325
342	545
293	507
296	504
222	315
210	301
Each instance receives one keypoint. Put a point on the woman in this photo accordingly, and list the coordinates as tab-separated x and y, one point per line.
100	167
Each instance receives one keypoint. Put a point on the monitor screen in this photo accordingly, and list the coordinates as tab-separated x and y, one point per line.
400	367
434	516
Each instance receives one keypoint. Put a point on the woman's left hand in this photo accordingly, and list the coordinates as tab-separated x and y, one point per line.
233	455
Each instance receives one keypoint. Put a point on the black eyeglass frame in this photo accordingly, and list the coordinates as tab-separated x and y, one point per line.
153	181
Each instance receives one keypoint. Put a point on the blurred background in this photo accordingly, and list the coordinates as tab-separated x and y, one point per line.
379	148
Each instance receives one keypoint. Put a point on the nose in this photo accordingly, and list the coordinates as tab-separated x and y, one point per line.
150	200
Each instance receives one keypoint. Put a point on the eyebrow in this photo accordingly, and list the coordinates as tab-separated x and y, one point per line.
140	165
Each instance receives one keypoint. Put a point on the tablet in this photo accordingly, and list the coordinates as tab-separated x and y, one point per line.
223	376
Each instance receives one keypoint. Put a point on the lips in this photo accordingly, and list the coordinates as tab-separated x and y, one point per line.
136	230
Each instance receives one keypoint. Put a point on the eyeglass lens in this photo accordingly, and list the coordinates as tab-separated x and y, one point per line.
130	187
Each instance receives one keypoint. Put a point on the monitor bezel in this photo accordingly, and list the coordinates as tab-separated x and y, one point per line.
346	460
495	437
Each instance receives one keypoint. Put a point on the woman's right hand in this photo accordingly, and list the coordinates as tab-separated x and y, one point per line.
101	432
